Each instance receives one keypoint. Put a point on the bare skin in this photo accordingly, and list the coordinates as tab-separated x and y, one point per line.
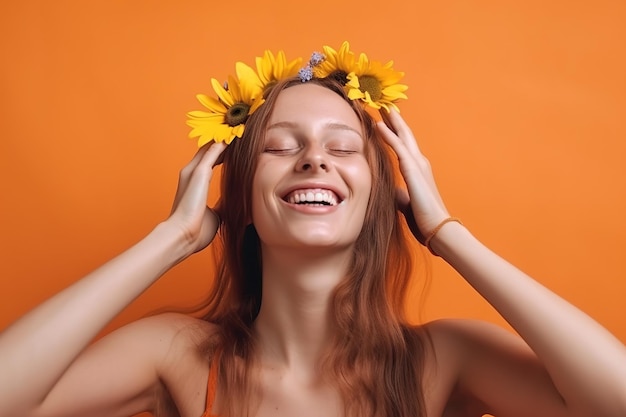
564	363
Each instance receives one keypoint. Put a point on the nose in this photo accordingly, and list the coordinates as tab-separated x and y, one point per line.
313	159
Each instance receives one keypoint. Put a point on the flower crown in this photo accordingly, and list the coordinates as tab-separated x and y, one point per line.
371	82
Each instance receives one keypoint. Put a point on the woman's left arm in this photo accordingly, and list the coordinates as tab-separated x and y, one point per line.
584	361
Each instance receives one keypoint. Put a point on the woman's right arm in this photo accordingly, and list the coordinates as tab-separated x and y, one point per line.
43	370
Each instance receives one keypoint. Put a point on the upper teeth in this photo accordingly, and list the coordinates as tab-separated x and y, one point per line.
316	195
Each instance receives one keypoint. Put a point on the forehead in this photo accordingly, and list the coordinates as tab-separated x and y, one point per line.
311	103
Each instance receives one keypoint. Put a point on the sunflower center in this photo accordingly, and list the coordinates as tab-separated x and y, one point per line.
237	114
340	76
371	85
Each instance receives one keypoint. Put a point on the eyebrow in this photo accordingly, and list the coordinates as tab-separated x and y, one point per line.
329	125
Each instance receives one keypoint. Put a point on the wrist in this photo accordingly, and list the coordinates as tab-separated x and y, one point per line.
430	236
171	241
447	233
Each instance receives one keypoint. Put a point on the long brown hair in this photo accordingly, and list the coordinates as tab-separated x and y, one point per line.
376	361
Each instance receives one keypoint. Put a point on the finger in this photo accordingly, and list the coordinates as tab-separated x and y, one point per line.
191	165
207	155
202	173
213	155
385	116
405	132
185	173
416	170
393	140
406	150
397	124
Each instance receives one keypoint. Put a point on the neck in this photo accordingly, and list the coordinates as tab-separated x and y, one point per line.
294	327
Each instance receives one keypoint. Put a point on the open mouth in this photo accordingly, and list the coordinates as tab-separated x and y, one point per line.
313	197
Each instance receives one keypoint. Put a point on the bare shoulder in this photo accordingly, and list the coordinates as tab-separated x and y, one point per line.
169	341
459	346
449	346
464	343
184	367
185	336
180	340
488	369
176	343
166	335
175	327
462	336
129	370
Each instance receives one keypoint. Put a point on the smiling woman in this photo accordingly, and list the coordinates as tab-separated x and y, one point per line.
320	148
306	313
317	142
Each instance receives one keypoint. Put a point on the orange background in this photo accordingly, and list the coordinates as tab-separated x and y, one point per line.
520	107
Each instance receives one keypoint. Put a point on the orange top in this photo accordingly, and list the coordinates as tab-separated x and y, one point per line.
211	387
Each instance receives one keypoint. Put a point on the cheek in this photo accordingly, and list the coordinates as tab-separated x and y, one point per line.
264	176
264	185
257	185
361	174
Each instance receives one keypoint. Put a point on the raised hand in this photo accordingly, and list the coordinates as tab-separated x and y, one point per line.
421	203
189	212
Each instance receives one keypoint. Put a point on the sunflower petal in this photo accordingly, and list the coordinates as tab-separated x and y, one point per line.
211	103
397	87
363	63
225	96
393	95
249	83
198	114
222	133
344	49
238	130
203	128
353	81
202	115
355	94
394	106
279	65
264	67
256	104
292	67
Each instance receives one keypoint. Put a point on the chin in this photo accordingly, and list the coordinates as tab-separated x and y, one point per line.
323	242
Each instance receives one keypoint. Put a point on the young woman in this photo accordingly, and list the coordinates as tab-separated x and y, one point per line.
305	318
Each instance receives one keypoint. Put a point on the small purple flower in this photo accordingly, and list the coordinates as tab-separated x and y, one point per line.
306	73
317	58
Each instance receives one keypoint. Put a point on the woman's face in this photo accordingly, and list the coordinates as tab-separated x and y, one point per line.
312	183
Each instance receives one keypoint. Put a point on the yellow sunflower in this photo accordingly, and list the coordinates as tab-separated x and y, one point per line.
274	68
375	84
227	114
337	64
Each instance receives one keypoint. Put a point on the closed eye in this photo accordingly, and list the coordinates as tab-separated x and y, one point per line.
281	151
343	151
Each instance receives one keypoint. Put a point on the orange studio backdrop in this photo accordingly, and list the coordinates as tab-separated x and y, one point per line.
520	106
